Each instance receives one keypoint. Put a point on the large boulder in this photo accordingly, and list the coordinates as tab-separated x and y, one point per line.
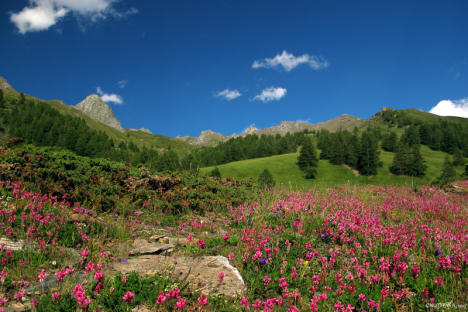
202	274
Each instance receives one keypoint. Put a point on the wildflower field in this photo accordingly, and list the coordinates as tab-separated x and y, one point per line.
343	249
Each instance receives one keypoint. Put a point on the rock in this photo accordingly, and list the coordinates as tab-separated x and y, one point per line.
142	247
94	107
157	237
141	308
13	245
200	273
50	282
19	307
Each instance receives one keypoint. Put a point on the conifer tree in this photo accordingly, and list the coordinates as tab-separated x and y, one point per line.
307	158
458	159
266	179
215	173
448	173
368	161
389	142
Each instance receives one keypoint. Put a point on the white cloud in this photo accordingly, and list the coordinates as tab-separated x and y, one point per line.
122	83
109	97
43	14
229	94
288	61
271	94
451	108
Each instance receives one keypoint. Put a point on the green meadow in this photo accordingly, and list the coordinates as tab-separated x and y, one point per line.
286	172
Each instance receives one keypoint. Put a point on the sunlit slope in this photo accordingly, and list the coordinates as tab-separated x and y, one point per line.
285	171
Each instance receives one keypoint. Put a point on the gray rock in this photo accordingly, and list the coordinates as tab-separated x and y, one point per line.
200	273
94	107
13	245
142	247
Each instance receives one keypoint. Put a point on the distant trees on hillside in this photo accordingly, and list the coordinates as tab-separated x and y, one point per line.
39	124
248	147
357	151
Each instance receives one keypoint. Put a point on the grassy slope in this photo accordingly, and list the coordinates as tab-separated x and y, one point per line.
284	170
140	138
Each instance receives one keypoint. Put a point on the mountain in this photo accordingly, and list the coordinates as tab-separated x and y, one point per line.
5	86
206	138
343	122
94	107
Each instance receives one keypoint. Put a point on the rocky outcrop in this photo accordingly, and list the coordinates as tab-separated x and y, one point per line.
211	274
4	85
94	107
206	138
343	122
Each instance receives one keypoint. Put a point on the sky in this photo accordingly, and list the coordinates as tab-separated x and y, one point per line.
177	67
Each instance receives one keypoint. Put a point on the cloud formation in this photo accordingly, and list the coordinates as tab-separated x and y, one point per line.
43	14
451	108
288	61
229	94
271	94
122	83
109	97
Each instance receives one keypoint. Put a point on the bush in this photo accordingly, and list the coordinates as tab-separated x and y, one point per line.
266	179
215	173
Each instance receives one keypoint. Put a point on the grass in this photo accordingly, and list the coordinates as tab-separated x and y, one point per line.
286	172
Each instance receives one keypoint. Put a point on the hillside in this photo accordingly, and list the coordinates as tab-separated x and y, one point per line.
138	137
286	172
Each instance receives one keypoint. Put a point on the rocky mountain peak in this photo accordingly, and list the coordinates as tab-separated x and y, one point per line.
4	85
94	107
250	130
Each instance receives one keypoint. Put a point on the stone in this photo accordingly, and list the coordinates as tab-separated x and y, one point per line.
141	308
19	307
200	273
13	245
142	247
94	107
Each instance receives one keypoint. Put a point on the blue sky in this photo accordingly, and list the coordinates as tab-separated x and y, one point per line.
180	67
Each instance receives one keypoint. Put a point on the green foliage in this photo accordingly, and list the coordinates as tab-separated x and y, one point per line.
368	160
439	133
458	159
215	173
65	303
408	161
109	185
448	173
266	179
389	142
308	155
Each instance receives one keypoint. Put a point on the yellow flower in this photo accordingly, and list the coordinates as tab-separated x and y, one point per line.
306	263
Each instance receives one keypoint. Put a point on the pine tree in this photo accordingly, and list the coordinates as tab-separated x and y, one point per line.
408	161
368	161
448	173
266	179
458	159
389	142
417	167
308	156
